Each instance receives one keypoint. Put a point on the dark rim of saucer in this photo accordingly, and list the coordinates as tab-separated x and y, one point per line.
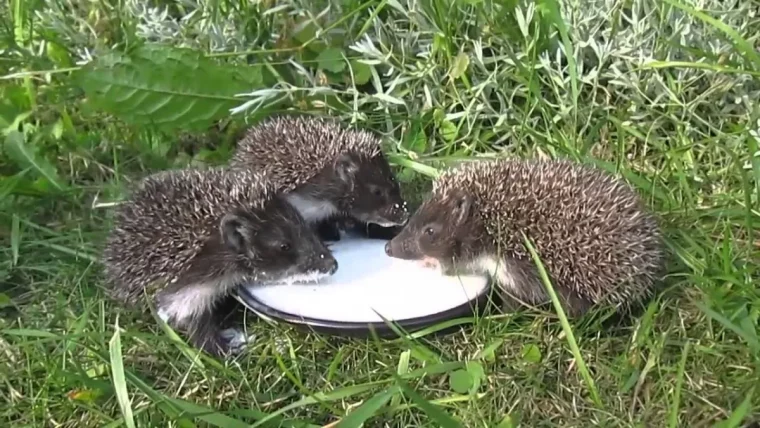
363	329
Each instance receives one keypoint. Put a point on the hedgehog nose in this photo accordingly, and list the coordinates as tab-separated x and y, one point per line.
388	248
329	265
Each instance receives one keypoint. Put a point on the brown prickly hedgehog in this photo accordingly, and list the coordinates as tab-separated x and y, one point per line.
591	231
326	170
191	236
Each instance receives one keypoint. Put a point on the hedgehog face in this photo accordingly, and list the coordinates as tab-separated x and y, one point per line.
275	245
373	193
441	229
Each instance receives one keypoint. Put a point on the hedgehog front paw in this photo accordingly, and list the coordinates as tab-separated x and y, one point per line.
234	340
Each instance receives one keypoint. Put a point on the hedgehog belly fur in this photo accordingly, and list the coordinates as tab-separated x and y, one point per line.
188	302
497	268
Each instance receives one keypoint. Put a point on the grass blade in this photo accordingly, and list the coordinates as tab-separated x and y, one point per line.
738	415
698	66
565	324
206	414
751	340
24	156
334	395
117	372
441	418
15	240
556	17
741	45
679	385
754	151
368	409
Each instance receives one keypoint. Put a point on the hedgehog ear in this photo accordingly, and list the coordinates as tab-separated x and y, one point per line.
462	208
346	167
231	229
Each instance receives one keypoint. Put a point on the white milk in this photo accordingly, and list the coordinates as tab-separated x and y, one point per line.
368	280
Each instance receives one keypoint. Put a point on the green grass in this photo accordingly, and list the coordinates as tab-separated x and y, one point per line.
682	128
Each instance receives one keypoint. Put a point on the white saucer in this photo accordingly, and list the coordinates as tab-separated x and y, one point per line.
368	284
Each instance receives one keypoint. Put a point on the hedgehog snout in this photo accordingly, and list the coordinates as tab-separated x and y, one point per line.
401	249
327	264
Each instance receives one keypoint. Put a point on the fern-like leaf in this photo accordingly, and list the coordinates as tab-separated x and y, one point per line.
167	87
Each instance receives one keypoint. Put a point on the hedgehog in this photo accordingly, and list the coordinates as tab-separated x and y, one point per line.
189	237
598	243
327	172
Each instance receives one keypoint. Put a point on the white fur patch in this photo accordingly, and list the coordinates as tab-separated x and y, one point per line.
192	300
497	269
312	210
163	314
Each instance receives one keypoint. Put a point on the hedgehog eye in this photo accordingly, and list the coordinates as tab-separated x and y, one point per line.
285	247
429	231
377	192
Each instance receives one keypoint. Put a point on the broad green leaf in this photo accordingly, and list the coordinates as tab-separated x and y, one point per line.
59	55
11	115
489	352
406	175
477	373
440	44
461	62
531	353
415	139
166	87
164	55
305	31
507	422
25	157
5	300
368	409
331	59
85	395
16	96
448	130
362	72
461	381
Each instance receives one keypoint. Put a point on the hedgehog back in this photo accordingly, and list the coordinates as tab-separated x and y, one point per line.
292	150
167	220
591	230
